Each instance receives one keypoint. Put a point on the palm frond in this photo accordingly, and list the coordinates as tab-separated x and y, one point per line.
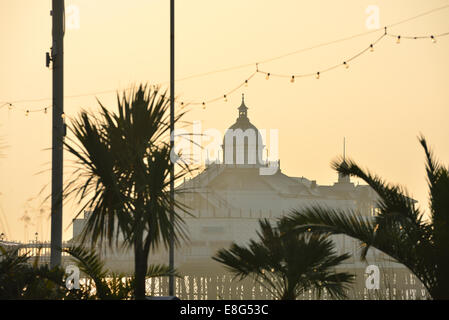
399	230
285	262
394	202
90	263
161	270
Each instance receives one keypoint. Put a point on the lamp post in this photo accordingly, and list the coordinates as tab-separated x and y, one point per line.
57	58
171	280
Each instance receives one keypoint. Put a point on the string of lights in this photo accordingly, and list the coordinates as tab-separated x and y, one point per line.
293	76
224	97
12	106
268	74
317	74
431	37
345	63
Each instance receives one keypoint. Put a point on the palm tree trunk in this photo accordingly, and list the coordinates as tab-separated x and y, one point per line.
288	296
140	270
289	292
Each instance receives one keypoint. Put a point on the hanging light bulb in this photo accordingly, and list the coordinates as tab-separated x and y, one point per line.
433	39
204	105
292	79
182	103
246	83
9	106
346	64
317	75
398	41
45	110
63	115
27	113
268	76
371	47
225	98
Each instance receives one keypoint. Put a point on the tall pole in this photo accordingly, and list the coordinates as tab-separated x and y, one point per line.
171	282
57	58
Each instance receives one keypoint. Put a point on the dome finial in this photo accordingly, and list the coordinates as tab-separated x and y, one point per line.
243	109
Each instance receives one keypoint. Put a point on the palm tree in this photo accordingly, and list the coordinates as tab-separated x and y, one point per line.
108	285
123	164
20	279
286	263
399	229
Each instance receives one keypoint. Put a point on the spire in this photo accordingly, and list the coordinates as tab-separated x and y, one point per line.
243	109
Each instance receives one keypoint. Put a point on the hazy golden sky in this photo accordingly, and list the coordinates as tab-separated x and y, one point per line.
380	104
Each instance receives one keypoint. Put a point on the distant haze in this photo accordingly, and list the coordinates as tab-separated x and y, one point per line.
380	104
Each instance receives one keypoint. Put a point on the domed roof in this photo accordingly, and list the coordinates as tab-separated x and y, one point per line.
245	140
